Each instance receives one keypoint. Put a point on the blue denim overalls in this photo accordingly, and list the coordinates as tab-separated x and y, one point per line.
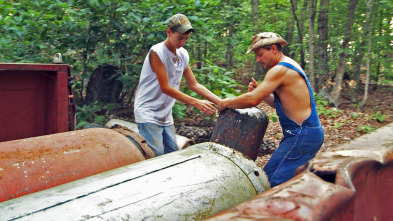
300	142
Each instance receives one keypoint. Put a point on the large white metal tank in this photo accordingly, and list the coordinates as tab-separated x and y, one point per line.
189	184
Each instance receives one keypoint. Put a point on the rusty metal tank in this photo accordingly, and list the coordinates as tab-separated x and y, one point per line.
189	184
241	129
33	164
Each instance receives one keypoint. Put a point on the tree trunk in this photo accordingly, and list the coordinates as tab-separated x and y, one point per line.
299	25
205	50
359	54
380	52
311	42
229	50
255	15
335	94
369	9
289	35
199	53
259	72
323	47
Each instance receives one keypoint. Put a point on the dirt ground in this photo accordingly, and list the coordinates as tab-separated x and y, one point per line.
340	124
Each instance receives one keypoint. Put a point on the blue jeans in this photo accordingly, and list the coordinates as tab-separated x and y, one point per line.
161	139
299	145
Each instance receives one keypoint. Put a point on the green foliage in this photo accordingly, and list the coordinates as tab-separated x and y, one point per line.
95	113
320	101
338	125
354	115
96	32
323	109
179	111
273	117
330	112
216	79
377	116
365	128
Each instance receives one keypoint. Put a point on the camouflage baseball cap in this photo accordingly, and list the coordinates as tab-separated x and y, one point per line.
265	38
180	22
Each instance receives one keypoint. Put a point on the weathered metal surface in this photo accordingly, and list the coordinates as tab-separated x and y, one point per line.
351	182
33	164
306	197
241	129
182	142
364	165
36	99
189	184
257	177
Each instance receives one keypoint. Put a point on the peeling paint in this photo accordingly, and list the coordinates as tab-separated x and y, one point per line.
72	151
252	112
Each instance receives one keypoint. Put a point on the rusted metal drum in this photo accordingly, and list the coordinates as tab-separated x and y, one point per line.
33	164
189	184
181	141
241	129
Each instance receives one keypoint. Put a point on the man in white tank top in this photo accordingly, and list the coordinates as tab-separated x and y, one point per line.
158	88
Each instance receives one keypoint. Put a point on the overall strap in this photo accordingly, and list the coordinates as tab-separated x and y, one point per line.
301	72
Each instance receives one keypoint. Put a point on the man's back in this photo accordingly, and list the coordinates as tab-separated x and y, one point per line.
293	92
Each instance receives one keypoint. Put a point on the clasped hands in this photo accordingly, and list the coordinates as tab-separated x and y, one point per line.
222	104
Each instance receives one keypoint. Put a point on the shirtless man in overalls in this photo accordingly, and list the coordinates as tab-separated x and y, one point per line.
287	89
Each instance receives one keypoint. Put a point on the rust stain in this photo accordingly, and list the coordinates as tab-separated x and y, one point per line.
38	163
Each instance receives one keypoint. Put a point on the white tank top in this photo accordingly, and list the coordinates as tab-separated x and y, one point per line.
151	104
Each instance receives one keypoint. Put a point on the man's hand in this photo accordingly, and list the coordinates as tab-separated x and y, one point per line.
221	105
206	107
253	84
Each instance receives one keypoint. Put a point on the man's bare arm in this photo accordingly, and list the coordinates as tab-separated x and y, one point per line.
199	88
159	68
273	80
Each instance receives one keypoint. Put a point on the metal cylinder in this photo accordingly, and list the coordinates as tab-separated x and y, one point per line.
189	184
33	164
241	129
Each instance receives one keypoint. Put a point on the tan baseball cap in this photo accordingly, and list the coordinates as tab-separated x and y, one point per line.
265	38
180	22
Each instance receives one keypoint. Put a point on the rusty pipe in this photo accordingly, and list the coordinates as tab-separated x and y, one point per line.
33	164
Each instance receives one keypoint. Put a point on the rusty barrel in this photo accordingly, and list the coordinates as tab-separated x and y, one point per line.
241	129
189	184
33	164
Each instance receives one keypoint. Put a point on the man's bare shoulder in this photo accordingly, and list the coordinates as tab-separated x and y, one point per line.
290	61
279	71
